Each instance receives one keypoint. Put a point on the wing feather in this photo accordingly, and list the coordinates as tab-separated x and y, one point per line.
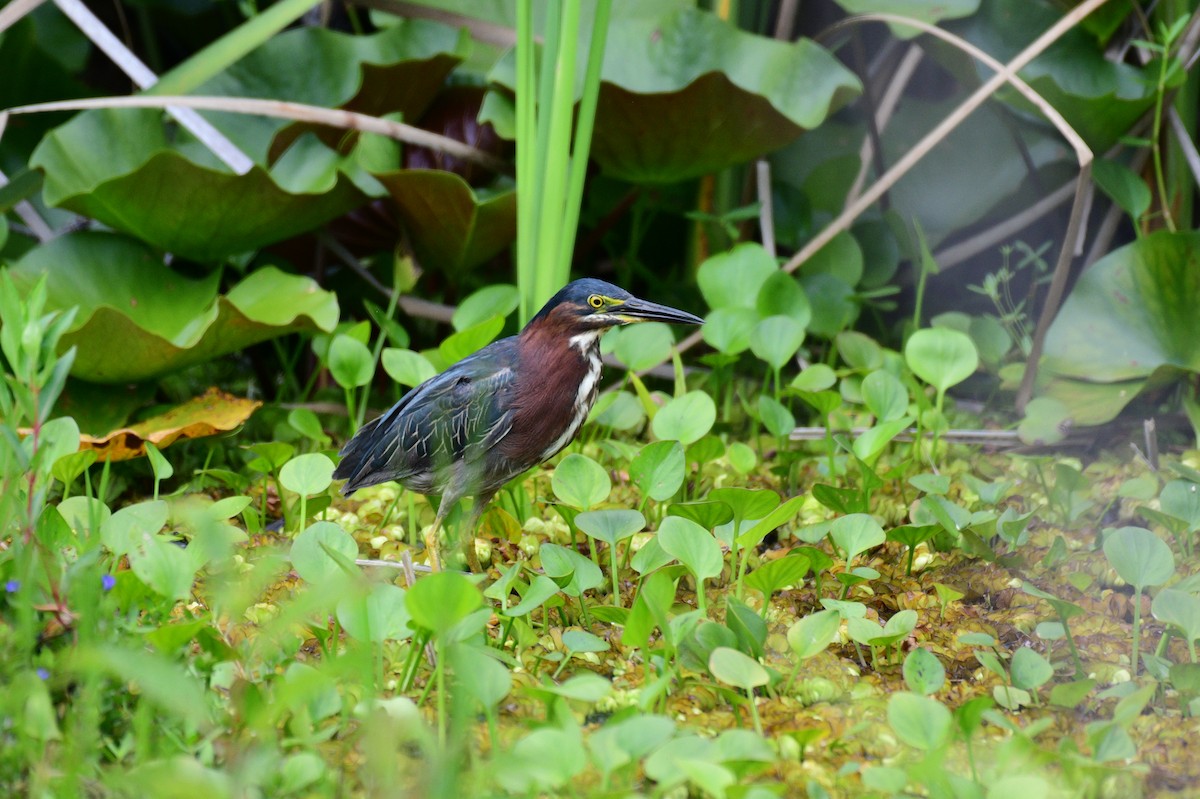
450	420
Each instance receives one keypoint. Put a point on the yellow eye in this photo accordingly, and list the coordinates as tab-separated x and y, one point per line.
596	301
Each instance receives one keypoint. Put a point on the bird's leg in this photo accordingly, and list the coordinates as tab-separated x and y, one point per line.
431	541
468	534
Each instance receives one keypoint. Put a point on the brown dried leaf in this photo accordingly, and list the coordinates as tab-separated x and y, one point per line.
211	413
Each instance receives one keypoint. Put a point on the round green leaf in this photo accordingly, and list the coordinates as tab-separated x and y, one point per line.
781	295
941	357
860	352
746	503
610	526
776	339
350	362
379	616
658	470
1139	556
833	304
728	330
580	482
919	721
499	299
466	342
1029	669
733	279
742	457
1179	609
709	514
1181	499
816	377
812	634
923	672
737	669
691	545
310	558
775	416
619	410
583	641
406	367
686	419
884	395
307	474
643	346
855	533
441	600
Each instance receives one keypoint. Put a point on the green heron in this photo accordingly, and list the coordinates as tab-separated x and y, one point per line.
498	413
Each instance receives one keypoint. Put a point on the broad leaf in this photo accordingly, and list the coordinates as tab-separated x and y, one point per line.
139	319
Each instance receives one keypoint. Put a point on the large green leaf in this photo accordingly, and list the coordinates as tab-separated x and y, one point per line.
684	93
451	226
131	171
1132	312
1099	97
138	319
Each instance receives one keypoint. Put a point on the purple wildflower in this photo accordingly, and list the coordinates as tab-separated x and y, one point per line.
12	586
107	582
43	673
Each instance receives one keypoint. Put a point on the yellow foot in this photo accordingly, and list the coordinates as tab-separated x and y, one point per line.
472	556
431	548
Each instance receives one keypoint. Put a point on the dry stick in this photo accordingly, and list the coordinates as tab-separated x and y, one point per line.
883	115
1108	226
301	112
413	306
144	78
1005	74
785	20
488	32
25	209
15	10
766	213
957	253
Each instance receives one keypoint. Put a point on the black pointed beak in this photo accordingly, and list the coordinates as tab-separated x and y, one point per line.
636	310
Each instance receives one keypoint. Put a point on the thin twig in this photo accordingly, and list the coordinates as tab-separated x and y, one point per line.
29	215
956	254
766	214
995	438
407	568
1058	284
301	112
144	78
15	10
413	306
883	115
480	30
785	19
1005	74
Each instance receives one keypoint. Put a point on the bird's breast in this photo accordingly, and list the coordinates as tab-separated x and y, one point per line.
556	394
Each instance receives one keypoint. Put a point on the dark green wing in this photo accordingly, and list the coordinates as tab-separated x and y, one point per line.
448	421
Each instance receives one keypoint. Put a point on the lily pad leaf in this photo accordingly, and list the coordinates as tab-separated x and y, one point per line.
452	226
131	171
138	319
733	97
136	184
1131	313
1100	98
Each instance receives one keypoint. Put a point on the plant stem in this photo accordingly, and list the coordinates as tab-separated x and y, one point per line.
612	561
1137	628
